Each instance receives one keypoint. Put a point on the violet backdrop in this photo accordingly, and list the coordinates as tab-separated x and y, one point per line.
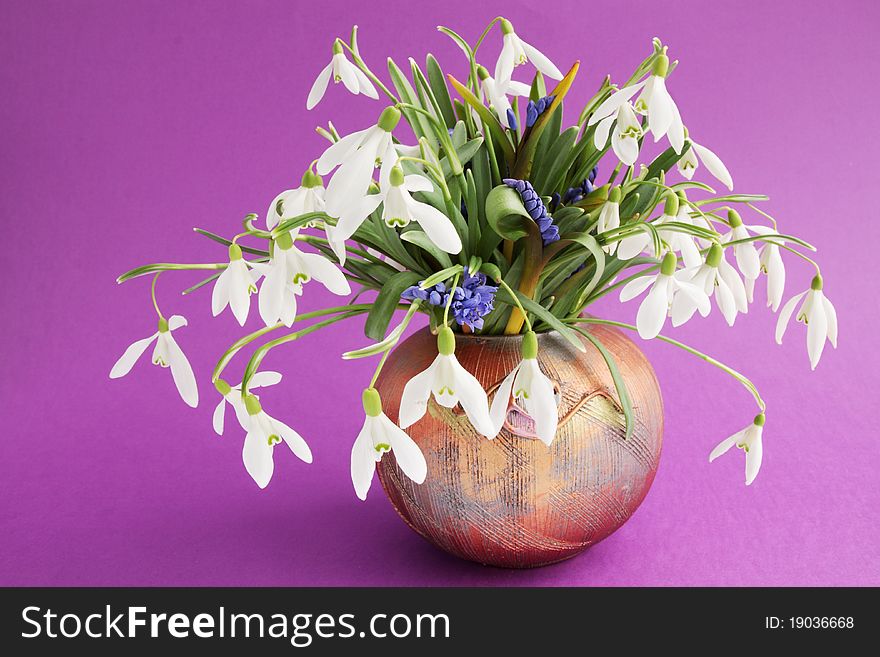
125	124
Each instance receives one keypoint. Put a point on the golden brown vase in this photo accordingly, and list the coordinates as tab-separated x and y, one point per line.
513	501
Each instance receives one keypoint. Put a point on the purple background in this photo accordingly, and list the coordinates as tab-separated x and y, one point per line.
125	124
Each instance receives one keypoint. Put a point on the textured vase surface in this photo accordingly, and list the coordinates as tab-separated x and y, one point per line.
513	501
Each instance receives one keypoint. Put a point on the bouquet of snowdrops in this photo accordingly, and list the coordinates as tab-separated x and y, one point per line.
495	220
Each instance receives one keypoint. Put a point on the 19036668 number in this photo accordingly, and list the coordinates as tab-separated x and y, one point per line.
821	622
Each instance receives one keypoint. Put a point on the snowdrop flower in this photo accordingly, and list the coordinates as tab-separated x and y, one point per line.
378	436
666	289
747	258
515	52
695	153
771	264
305	199
166	354
533	392
285	273
263	433
232	395
400	208
715	277
356	156
343	71
450	384
748	440
818	313
609	218
497	93
626	135
234	287
633	245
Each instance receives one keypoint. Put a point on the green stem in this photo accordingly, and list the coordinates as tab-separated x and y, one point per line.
153	295
742	379
361	64
449	300
518	303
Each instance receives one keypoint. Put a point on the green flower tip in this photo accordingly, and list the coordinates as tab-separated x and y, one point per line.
759	420
372	402
252	404
530	345
713	258
733	218
615	195
311	179
234	252
482	72
506	26
671	207
396	176
661	65
446	341
682	196
163	325
388	119
222	387
670	262
284	241
337	47
817	282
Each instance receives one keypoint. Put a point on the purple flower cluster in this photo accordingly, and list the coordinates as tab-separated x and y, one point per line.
535	207
575	194
537	108
471	301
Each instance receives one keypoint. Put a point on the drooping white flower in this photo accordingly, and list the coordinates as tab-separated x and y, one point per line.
680	242
655	101
665	288
626	134
400	208
748	440
166	354
450	384
818	313
747	258
609	218
263	433
356	155
695	153
515	52
716	277
234	287
305	199
378	436
497	93
285	274
232	395
533	392
771	264
343	71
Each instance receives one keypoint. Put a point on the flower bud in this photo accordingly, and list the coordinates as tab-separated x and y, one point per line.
530	345
284	241
816	284
372	402
396	177
661	66
337	47
311	179
222	387
759	420
234	252
506	26
482	72
615	195
163	325
733	218
713	258
388	119
671	207
446	341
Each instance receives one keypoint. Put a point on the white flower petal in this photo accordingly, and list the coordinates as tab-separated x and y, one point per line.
409	456
363	460
219	415
714	165
817	329
319	87
754	456
542	402
324	271
625	148
724	446
652	311
600	137
610	105
436	225
293	440
220	294
831	316
130	355
504	65
785	315
264	379
175	322
660	112
501	401
541	61
257	457
414	401
181	371
340	151
472	398
416	183
345	70
365	86
636	286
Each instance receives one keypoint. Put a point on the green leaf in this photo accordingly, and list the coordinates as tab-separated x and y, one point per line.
665	161
619	383
506	214
558	160
544	315
226	242
499	136
589	242
419	123
465	153
441	92
419	238
386	303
